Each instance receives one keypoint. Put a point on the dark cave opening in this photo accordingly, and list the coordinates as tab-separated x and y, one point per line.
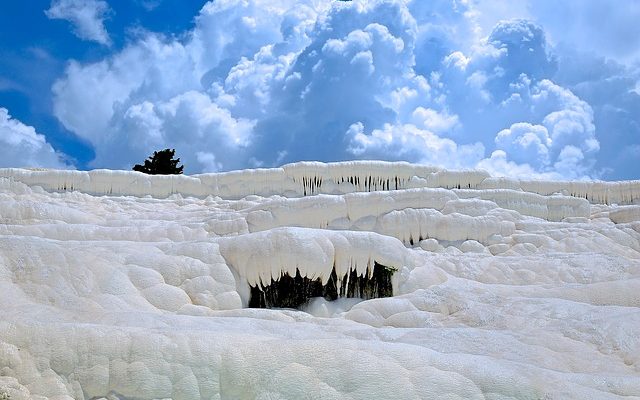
288	292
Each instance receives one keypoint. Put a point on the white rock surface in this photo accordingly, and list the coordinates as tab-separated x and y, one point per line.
118	285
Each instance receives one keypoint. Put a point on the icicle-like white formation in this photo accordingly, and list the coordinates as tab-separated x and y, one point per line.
596	192
309	178
415	214
351	176
342	210
551	208
411	226
108	182
262	257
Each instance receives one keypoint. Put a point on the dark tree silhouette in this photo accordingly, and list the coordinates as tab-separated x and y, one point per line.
160	163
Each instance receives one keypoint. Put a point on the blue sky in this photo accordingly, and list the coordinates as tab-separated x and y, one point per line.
526	89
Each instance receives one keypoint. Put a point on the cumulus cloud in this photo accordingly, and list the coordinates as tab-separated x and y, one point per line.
504	91
260	83
408	142
526	143
610	90
210	129
21	146
86	16
497	164
163	92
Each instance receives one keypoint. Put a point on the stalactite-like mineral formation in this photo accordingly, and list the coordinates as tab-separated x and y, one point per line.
288	292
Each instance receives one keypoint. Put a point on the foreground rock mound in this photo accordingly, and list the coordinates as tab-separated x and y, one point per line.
386	280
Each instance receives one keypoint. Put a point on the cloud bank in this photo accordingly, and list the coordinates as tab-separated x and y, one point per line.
262	82
21	146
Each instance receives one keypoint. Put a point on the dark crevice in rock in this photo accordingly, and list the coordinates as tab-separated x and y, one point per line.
288	292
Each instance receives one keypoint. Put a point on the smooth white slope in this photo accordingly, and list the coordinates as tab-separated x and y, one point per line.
509	294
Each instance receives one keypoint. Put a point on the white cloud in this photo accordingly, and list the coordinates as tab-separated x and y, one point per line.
198	96
526	143
407	142
503	95
149	5
499	165
438	122
150	71
190	122
87	17
21	146
561	121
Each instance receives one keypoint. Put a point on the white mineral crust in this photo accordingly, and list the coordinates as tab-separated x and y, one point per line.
120	285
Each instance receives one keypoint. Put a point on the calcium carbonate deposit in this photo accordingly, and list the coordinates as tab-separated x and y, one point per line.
120	285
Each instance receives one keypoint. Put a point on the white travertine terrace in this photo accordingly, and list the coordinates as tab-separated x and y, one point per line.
298	179
119	285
